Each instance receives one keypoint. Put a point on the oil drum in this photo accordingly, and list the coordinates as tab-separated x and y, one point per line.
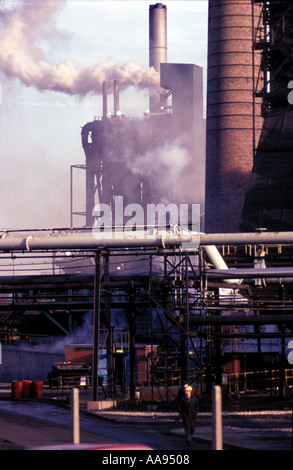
16	389
26	388
37	389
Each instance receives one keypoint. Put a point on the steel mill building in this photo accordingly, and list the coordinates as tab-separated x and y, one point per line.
163	305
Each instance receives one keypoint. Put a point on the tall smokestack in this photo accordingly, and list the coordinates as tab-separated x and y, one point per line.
116	97
157	40
230	110
105	96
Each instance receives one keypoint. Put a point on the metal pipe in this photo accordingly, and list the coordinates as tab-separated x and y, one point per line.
261	237
268	319
73	240
218	262
215	257
251	273
98	240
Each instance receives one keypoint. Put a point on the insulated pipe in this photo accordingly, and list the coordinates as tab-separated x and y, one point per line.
282	274
73	240
248	238
215	257
241	319
89	240
217	260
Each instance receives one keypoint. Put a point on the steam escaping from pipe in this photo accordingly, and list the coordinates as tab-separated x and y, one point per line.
21	57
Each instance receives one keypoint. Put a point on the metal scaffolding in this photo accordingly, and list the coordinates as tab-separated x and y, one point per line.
190	314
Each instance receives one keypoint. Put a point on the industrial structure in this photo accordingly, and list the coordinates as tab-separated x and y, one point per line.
123	154
204	307
233	112
269	198
248	164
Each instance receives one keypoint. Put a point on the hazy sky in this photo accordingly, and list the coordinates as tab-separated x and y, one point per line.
64	45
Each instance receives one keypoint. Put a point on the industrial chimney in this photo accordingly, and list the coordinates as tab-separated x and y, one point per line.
157	41
231	107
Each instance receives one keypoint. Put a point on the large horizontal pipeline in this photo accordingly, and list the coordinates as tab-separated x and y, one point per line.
251	273
253	238
73	240
283	319
88	241
59	306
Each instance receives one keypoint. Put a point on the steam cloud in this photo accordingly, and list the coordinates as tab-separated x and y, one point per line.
21	58
181	181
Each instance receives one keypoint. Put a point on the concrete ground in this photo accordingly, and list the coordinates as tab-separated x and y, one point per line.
244	427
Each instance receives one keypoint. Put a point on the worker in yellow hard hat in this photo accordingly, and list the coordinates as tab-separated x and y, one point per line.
187	407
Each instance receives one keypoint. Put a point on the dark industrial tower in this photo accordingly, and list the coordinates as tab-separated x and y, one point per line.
269	199
233	114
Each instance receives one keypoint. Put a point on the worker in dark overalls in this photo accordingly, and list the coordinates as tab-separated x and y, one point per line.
187	407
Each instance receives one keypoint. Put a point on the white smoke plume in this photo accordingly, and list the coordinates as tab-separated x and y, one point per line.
21	58
172	168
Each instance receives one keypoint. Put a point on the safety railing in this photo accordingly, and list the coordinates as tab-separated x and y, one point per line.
264	380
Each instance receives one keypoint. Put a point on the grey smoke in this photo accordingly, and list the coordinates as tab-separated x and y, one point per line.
21	57
172	168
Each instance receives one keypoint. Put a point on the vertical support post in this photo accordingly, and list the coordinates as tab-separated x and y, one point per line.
97	306
292	422
283	362
217	418
75	434
110	337
131	320
71	196
253	78
187	318
218	357
150	375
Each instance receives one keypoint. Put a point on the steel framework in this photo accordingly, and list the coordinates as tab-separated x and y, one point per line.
192	314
